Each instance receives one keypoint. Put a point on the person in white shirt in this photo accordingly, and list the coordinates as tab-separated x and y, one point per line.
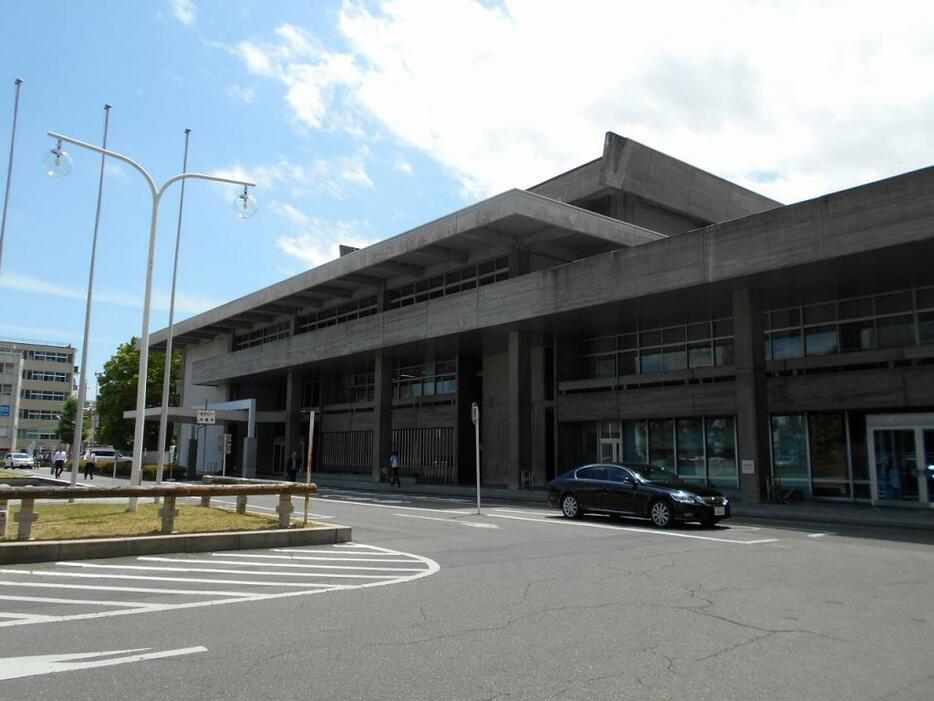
89	463
58	462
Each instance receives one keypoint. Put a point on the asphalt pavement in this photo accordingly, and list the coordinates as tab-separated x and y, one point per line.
514	603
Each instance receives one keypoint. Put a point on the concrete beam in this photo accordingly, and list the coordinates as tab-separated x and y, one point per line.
398	268
443	253
362	280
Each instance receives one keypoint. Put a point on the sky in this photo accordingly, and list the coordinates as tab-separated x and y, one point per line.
361	120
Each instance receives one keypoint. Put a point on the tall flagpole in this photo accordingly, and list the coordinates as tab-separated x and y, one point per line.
167	374
83	368
9	170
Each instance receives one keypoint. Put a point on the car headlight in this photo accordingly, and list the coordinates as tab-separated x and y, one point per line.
725	501
683	497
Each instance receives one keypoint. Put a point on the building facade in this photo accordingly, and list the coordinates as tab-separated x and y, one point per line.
44	379
635	308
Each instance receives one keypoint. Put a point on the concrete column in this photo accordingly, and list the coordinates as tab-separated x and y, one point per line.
519	406
168	512
293	402
752	413
285	509
25	518
382	412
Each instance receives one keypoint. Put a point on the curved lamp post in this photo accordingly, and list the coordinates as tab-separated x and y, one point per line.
58	163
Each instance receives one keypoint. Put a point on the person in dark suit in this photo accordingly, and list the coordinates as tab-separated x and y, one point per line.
293	465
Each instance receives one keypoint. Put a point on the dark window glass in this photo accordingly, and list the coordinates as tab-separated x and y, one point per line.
896	331
699	332
786	344
619	475
627	341
858	335
587	347
926	327
828	447
650	338
821	340
855	308
606	366
628	364
820	313
606	345
721	451
894	303
789	451
674	335
594	472
675	358
700	355
586	368
661	443
723	352
690	448
723	327
634	443
786	318
925	297
651	361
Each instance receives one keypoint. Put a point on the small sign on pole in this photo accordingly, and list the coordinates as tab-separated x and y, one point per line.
475	418
206	417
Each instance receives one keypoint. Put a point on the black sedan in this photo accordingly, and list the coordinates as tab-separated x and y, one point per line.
645	491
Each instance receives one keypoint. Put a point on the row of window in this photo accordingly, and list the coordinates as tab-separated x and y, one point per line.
698	449
46	376
259	337
47	356
6	390
467	278
425	380
703	344
40	414
337	315
31	435
47	395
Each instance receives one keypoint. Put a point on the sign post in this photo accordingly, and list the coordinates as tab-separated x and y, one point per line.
475	417
226	446
311	438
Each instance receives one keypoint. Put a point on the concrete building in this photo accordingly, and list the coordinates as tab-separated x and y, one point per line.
634	308
11	372
44	379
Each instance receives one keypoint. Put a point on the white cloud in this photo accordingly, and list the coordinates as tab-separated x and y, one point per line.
792	99
241	93
185	11
403	166
319	240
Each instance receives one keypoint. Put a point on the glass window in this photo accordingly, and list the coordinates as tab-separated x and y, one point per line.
699	332
618	474
606	345
673	335
651	360
721	451
828	455
925	297
606	366
700	355
789	451
589	442
893	303
593	472
634	443
609	429
786	344
858	335
926	327
820	313
896	331
786	318
628	363
821	340
855	308
628	341
661	443
723	352
650	338
675	358
723	327
691	448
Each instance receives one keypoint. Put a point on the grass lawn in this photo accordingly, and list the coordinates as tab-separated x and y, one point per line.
9	474
73	521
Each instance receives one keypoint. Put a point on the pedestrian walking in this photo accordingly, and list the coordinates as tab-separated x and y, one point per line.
394	464
89	463
58	462
293	466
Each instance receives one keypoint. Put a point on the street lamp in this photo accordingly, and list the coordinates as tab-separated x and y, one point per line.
58	163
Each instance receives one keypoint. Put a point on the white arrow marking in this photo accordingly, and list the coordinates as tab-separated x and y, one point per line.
33	665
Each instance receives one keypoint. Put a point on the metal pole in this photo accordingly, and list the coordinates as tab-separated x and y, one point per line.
9	169
166	376
475	415
83	368
311	438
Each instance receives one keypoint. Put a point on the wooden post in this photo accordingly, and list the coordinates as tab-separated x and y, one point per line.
241	504
25	517
206	501
168	512
285	509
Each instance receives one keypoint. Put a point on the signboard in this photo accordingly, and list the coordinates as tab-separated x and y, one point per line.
225	443
475	413
206	416
4	409
749	467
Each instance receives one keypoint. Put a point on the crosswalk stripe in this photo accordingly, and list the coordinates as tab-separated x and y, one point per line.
140	590
249	583
318	558
77	602
210	570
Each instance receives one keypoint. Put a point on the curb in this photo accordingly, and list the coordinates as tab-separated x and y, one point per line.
94	548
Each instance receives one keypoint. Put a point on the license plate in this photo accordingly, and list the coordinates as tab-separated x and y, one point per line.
719	511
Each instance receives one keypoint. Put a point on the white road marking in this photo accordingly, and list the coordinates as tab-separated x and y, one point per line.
210	570
140	590
243	563
564	522
530	513
33	665
816	535
310	557
76	602
450	520
166	579
394	506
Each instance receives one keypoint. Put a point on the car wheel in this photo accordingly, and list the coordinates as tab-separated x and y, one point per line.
571	507
660	513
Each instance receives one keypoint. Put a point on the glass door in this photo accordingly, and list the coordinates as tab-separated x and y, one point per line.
901	459
610	450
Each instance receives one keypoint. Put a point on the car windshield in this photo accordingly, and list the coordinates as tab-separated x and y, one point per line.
651	473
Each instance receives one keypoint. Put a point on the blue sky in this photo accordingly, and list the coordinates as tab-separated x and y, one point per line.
361	120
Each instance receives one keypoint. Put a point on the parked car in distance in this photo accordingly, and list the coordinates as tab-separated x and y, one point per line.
18	460
644	491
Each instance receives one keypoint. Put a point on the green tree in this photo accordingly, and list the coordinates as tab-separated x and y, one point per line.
66	423
116	393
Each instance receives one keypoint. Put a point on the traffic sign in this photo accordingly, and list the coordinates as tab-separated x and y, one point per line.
206	416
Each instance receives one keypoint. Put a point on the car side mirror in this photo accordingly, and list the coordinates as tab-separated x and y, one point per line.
630	481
